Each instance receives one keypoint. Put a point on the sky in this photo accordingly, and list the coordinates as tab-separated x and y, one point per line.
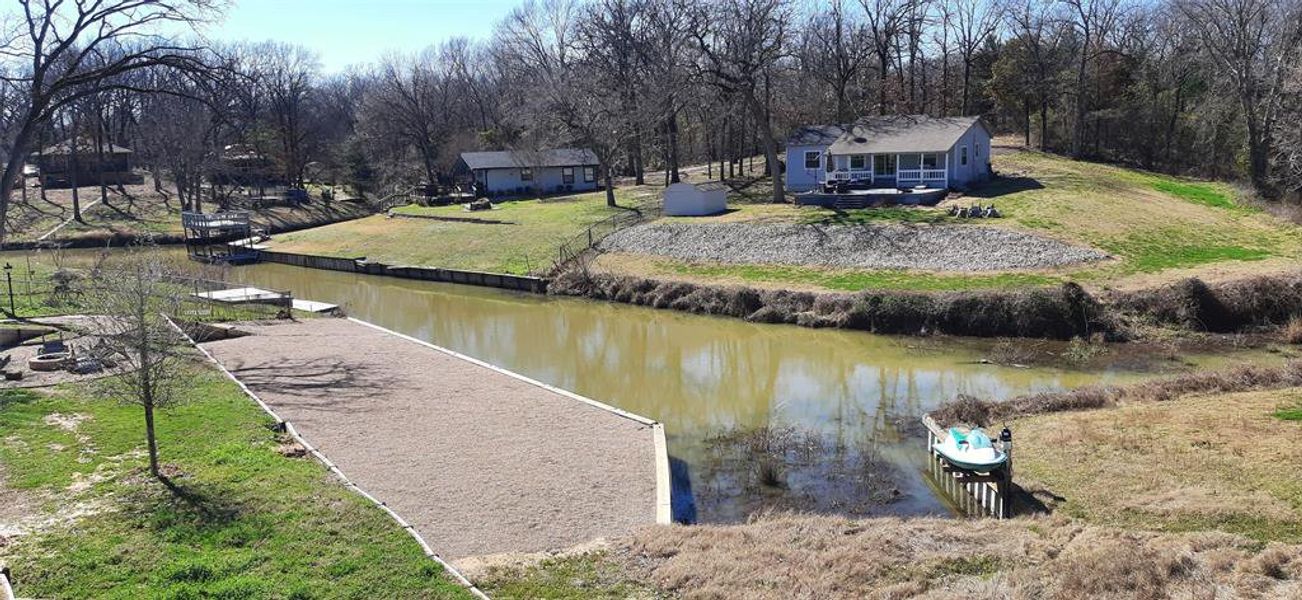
349	32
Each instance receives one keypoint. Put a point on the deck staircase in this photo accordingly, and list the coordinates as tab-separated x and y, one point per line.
850	202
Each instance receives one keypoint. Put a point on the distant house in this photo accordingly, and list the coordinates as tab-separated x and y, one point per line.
891	152
519	172
244	164
86	163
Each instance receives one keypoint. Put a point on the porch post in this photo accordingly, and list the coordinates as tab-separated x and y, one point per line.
947	169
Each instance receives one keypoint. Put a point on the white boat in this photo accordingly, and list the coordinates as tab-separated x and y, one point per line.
972	450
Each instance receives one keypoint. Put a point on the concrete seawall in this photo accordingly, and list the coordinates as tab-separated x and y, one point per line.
521	283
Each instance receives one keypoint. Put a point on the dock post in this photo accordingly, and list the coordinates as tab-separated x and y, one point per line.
1006	481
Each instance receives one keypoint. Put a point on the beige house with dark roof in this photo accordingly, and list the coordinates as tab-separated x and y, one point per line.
901	151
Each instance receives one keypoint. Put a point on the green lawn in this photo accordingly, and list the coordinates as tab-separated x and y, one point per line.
245	521
526	242
1159	228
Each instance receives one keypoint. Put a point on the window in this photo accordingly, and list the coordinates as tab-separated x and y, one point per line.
589	174
857	162
930	161
884	164
567	174
811	159
526	174
962	156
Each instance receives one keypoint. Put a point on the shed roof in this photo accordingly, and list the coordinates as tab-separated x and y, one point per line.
84	146
903	133
514	159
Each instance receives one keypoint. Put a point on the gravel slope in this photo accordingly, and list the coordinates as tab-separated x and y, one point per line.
929	247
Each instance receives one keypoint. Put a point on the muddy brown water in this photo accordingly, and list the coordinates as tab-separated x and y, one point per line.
757	416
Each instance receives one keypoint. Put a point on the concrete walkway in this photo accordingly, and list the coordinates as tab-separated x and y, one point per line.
480	461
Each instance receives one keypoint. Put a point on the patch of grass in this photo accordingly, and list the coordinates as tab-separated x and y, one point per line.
1159	250
243	522
1198	193
527	244
849	280
1291	412
579	577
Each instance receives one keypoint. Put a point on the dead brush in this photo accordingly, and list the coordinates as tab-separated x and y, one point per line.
1293	330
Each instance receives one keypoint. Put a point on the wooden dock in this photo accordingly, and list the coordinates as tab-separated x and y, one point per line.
972	493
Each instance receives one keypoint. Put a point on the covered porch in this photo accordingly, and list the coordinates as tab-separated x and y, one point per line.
898	170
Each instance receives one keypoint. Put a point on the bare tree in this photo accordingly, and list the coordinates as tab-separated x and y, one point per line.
54	49
887	20
834	51
130	295
1254	43
975	21
742	46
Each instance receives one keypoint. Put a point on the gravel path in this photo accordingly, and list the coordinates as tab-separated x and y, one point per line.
929	247
478	461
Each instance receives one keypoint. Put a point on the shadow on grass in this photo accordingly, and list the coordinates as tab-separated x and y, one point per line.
1003	186
192	503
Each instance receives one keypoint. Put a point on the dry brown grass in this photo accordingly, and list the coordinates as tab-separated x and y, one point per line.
1217	461
1052	558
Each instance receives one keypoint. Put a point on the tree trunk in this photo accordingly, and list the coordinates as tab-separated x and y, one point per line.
151	440
1026	120
610	188
673	149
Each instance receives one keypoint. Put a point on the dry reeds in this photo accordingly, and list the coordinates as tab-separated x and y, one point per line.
966	409
1292	333
1058	313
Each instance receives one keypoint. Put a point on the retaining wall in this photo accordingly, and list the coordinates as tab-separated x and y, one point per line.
522	283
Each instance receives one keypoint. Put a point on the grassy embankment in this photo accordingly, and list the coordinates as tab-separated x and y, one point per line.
1152	499
244	522
527	242
1159	228
144	211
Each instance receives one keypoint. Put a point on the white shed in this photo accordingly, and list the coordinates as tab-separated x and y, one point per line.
694	200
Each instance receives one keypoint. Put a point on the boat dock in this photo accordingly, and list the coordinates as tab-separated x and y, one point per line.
479	460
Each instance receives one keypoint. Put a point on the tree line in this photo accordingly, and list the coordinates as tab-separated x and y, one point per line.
1204	87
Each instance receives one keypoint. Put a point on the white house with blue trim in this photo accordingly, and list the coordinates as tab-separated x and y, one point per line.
902	151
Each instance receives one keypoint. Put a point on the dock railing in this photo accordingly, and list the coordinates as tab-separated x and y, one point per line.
973	493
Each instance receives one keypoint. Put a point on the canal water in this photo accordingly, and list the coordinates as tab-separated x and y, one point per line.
757	417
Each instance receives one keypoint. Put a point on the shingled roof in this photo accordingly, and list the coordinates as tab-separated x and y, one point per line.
84	146
515	159
903	133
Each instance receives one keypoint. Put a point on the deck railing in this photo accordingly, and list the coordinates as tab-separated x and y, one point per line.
920	175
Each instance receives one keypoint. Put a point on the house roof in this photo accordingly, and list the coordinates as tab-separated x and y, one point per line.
84	146
815	135
903	133
514	159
